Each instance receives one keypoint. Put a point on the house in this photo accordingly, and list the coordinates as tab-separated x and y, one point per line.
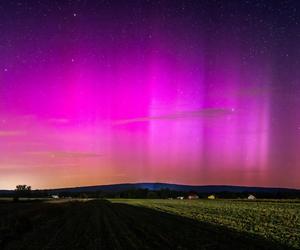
251	197
193	197
54	196
180	198
211	197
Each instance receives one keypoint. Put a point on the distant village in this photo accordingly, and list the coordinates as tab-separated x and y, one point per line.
191	196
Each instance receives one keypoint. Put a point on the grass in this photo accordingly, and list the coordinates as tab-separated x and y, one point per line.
276	220
149	224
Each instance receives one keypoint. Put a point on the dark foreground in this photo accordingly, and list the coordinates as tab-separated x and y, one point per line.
100	224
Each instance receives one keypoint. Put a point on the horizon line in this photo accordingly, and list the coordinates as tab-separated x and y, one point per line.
168	183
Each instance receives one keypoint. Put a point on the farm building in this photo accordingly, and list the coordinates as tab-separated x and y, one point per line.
180	198
251	197
193	197
211	197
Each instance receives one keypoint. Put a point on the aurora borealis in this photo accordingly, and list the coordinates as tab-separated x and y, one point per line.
193	92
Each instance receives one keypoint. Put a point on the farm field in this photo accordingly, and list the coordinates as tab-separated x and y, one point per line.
149	224
276	220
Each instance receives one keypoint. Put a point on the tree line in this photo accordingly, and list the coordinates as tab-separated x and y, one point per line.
26	191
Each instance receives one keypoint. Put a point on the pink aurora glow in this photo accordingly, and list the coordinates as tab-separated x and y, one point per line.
87	110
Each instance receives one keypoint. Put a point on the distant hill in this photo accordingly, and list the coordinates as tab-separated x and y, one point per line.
174	187
6	191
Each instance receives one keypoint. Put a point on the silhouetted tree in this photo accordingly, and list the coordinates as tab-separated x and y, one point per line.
22	191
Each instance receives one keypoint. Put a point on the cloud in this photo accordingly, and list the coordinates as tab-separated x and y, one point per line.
8	133
209	112
257	91
63	154
59	120
28	117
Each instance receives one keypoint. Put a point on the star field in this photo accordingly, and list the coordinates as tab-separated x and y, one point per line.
194	92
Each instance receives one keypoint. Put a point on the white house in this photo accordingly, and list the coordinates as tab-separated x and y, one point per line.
211	197
251	197
54	196
193	197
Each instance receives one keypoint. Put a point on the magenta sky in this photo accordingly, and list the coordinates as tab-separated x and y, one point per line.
193	92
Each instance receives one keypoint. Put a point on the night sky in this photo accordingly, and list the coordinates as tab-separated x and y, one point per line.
189	92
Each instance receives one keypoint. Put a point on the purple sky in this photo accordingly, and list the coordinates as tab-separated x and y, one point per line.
193	92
